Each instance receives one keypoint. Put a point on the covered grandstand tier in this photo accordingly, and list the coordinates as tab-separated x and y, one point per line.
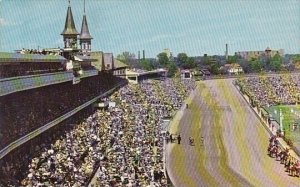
17	64
25	111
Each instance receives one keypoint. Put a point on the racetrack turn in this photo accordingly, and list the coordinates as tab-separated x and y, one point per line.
234	147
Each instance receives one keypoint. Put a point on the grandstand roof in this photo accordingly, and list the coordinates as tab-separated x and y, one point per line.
18	57
98	55
119	64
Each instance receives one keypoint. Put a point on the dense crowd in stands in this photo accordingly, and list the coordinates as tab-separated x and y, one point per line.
125	140
39	52
25	111
29	68
268	91
15	164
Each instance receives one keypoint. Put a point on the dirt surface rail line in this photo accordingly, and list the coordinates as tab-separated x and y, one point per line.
230	142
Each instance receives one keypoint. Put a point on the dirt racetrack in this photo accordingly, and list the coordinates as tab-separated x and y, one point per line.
234	147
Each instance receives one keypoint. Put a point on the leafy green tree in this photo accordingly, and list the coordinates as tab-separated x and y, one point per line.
277	57
214	69
275	65
182	59
172	69
125	57
146	65
206	60
163	59
232	59
255	65
190	64
245	65
263	64
276	62
185	62
296	57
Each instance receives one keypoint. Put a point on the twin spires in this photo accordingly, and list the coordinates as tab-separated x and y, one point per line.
85	33
69	24
70	33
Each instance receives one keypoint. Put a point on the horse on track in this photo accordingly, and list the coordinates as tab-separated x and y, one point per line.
273	151
283	156
191	141
294	169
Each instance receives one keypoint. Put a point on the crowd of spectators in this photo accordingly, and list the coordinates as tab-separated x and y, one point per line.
125	140
14	165
39	52
25	111
273	90
29	68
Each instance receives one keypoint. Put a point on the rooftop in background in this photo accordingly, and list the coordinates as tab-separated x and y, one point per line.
18	57
119	64
107	60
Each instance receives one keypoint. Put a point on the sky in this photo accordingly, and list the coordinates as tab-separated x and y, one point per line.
195	27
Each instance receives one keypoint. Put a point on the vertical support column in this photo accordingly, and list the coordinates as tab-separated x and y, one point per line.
280	123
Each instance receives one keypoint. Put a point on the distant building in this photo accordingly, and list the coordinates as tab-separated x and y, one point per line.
256	54
107	62
204	72
186	74
136	75
233	68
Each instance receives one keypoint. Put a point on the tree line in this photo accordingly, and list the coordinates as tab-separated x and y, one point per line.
212	63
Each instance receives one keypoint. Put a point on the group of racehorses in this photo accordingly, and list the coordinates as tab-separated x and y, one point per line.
291	164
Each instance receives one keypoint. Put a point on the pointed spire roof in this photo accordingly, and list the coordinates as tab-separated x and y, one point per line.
85	33
69	24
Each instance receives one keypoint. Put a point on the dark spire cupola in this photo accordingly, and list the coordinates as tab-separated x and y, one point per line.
85	37
70	33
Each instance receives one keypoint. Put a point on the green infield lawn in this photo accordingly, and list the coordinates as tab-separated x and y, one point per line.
291	115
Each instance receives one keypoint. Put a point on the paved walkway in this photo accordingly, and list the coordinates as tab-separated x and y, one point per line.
234	147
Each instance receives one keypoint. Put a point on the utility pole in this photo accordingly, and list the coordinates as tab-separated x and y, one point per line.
139	56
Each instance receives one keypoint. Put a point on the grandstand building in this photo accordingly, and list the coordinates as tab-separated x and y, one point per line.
43	91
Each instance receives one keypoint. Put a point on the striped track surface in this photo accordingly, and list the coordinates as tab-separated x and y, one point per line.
234	147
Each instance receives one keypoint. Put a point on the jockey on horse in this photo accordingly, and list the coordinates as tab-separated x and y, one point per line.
283	155
272	138
297	167
273	146
293	168
191	140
